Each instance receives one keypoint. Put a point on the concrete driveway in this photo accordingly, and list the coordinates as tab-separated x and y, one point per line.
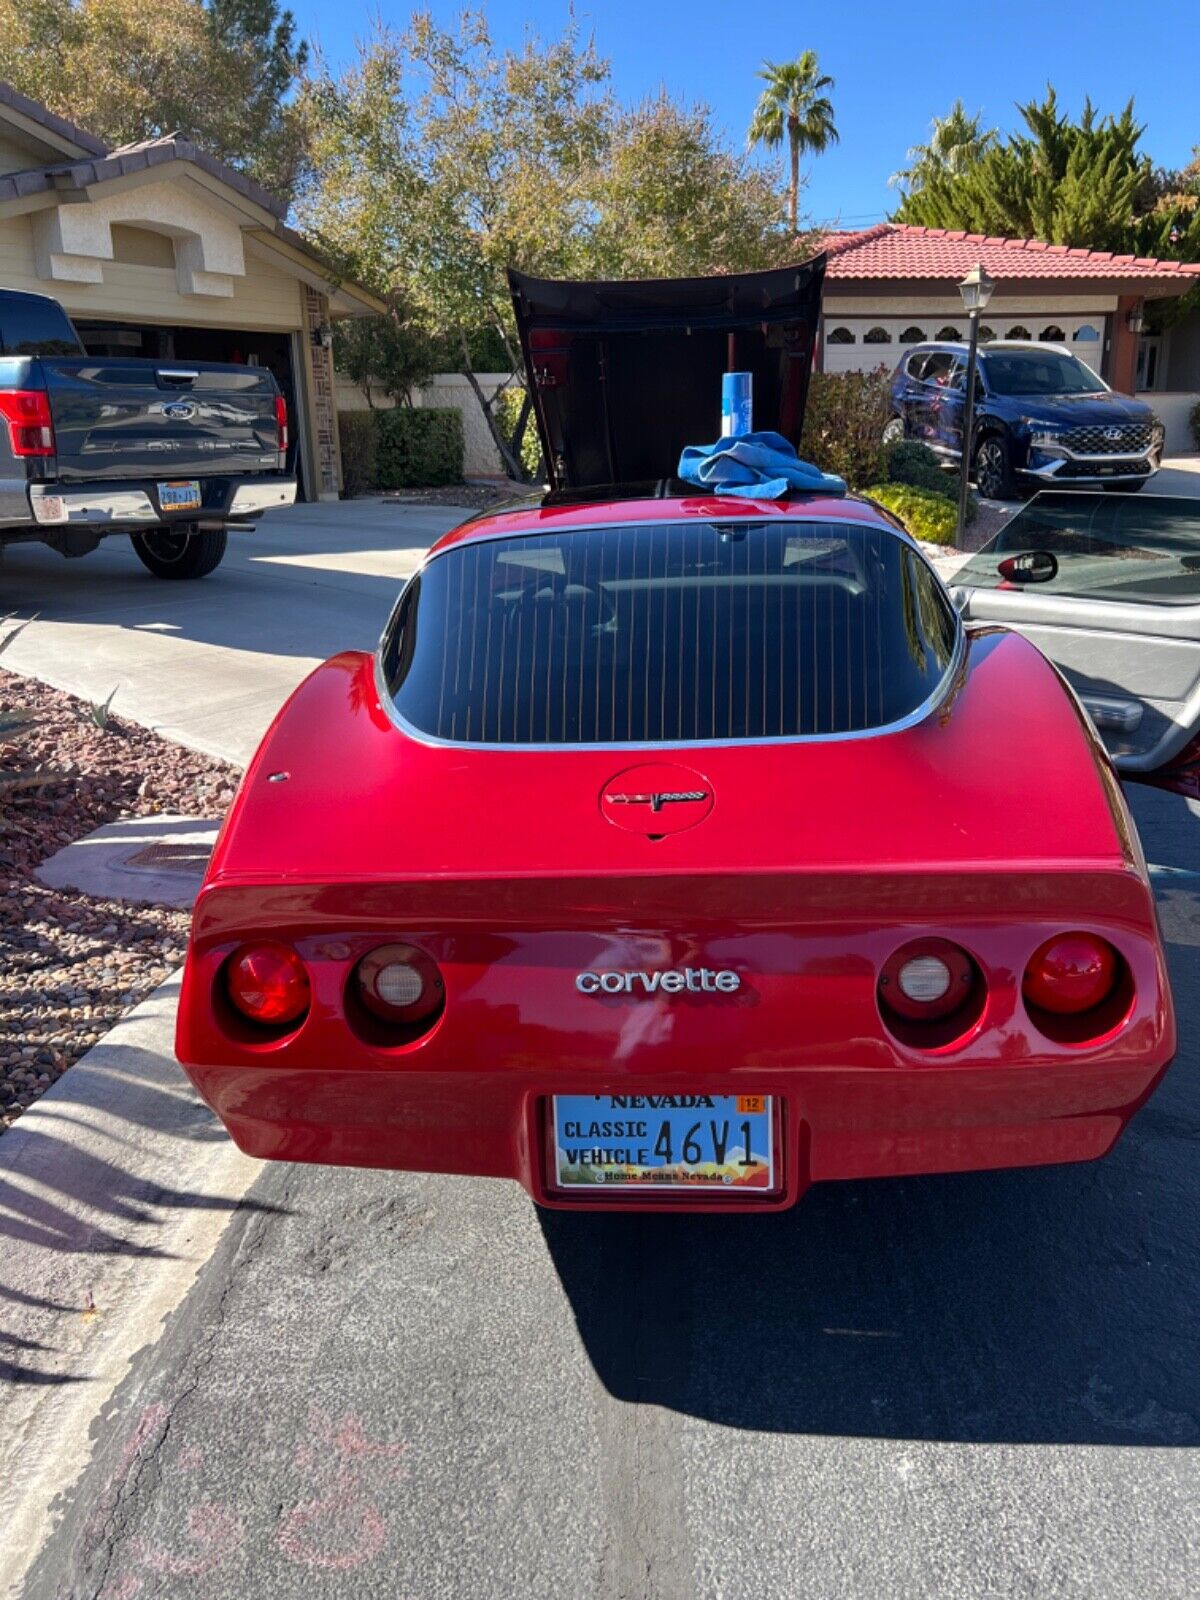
210	662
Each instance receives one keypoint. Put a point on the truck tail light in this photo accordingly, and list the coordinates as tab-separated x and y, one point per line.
30	425
268	983
281	422
398	983
1071	973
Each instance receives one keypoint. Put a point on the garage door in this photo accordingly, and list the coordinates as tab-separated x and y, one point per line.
857	344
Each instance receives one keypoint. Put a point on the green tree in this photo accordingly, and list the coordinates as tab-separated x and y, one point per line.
1083	183
219	72
438	159
956	142
388	355
795	107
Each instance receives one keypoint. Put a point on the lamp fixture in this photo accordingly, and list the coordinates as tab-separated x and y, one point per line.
976	289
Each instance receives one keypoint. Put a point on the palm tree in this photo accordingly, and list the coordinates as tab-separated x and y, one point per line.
794	104
957	142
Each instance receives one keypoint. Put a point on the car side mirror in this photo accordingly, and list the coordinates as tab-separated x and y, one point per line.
1032	566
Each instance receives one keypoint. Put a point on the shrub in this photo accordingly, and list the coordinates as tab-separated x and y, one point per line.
508	409
909	461
844	422
356	430
925	513
418	447
1194	423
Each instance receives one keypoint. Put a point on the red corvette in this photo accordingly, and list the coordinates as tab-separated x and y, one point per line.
673	850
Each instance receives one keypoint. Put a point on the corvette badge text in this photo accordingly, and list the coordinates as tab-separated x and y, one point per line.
693	980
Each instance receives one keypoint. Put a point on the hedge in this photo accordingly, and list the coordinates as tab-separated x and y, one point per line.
356	430
926	514
844	421
418	447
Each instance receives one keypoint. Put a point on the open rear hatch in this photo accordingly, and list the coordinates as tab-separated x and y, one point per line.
625	374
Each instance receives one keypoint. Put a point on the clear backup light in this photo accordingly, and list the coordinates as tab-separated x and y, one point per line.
399	983
926	979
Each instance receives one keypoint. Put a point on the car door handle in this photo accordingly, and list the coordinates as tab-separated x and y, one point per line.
1119	716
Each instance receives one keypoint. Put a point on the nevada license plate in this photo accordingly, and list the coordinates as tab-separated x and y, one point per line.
664	1141
179	496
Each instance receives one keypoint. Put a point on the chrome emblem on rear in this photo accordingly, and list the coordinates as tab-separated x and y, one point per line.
692	980
179	410
657	801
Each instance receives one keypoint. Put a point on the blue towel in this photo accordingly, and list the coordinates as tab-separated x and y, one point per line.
756	466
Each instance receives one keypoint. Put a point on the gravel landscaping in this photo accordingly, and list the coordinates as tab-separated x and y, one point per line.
71	965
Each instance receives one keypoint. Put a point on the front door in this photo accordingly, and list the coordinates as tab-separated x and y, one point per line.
1109	589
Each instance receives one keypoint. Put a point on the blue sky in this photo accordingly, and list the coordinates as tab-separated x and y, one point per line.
895	65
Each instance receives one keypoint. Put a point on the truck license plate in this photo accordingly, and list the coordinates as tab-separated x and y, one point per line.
664	1141
183	496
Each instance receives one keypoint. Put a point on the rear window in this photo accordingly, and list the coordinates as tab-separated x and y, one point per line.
673	632
35	327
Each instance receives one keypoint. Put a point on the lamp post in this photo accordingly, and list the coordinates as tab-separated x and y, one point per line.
976	290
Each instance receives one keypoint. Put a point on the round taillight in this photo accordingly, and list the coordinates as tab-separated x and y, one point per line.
1070	973
926	979
268	983
399	983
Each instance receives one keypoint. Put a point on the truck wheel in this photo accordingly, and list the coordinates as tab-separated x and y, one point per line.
169	553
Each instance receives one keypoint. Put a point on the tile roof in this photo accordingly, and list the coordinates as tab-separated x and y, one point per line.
132	158
899	250
45	118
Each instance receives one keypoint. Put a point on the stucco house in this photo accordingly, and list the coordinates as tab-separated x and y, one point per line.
158	249
893	285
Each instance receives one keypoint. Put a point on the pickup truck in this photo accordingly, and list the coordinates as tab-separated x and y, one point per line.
173	454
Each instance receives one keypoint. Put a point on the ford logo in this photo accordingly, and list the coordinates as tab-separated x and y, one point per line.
179	410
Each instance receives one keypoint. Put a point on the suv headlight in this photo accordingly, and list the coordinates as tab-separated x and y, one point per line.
1045	436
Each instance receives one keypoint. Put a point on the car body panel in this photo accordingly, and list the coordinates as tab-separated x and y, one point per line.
816	860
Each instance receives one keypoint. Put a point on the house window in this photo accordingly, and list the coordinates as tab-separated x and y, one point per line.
1018	332
986	333
1086	335
841	336
913	335
877	335
1052	335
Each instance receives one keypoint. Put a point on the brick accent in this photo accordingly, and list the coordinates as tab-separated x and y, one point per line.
1122	358
316	311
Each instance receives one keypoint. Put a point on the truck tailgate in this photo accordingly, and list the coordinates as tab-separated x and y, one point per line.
130	418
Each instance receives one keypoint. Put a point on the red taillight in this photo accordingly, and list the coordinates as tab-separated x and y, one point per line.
398	983
30	425
1071	973
926	979
281	421
268	983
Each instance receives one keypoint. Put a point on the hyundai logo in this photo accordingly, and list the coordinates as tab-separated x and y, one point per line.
179	410
1112	433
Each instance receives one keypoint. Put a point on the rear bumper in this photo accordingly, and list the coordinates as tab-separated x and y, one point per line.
832	1123
121	507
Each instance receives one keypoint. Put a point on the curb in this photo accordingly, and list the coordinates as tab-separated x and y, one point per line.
115	1188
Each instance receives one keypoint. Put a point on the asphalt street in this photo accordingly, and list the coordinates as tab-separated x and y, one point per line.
421	1387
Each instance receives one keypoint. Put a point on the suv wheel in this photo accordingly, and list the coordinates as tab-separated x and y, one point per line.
894	431
180	553
992	472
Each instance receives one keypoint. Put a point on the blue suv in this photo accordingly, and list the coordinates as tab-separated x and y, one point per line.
1043	419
